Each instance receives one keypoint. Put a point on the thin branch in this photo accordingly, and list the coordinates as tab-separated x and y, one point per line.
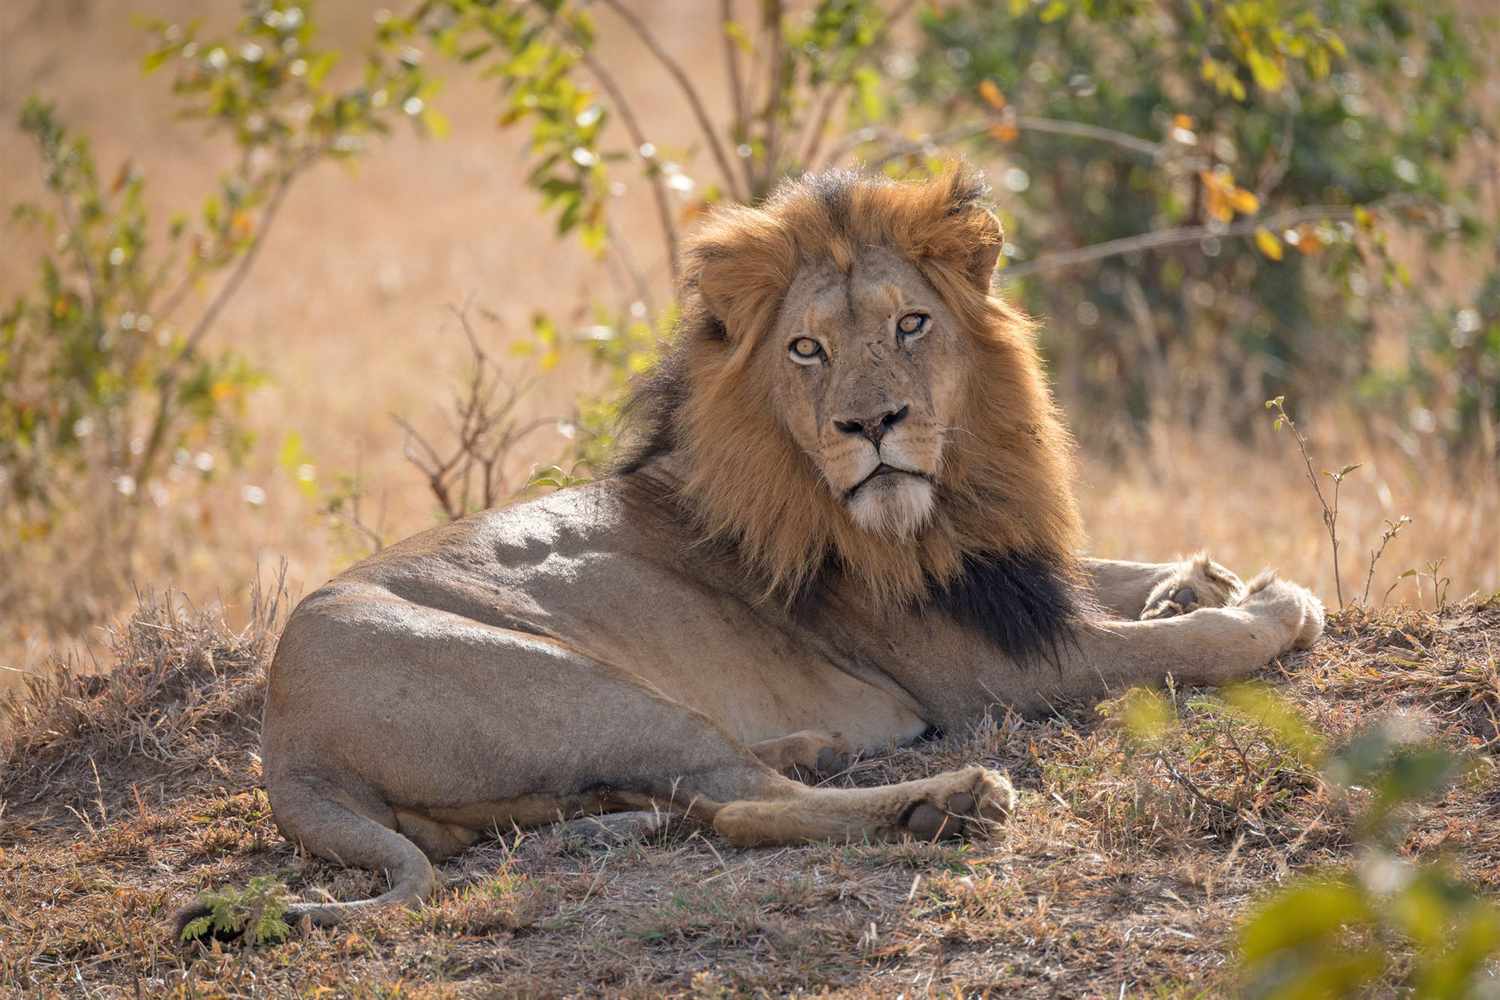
685	84
973	130
831	97
819	128
167	380
769	112
1276	170
738	98
80	249
626	258
241	268
1392	529
638	138
1179	235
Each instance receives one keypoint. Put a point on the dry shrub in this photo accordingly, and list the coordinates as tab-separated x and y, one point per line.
184	695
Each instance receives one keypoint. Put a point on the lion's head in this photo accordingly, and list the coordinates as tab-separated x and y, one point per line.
845	393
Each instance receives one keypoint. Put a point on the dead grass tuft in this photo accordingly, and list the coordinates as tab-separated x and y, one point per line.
1127	865
183	697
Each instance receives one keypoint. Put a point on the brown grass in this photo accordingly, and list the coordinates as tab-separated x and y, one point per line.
1127	865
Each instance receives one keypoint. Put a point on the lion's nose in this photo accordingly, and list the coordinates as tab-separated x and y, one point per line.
874	428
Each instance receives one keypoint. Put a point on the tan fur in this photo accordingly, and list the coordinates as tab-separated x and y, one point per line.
587	651
1009	445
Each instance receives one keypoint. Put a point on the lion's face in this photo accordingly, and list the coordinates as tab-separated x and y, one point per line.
867	366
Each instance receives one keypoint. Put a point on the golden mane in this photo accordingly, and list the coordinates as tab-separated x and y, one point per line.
1005	488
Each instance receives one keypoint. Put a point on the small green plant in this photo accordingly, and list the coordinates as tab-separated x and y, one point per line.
1335	933
255	914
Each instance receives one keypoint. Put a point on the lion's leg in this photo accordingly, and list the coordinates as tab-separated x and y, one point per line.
1210	646
1132	590
809	750
949	805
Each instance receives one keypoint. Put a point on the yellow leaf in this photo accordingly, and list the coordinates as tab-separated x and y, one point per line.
1267	70
1053	11
1363	217
1243	201
550	359
221	391
1268	244
991	95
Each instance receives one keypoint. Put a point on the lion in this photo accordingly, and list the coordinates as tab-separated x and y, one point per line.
844	518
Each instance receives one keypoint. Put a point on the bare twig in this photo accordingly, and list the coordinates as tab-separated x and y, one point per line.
1392	529
900	146
1179	235
689	91
1330	513
470	474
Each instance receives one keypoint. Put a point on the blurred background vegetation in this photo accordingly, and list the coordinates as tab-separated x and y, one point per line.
322	279
227	278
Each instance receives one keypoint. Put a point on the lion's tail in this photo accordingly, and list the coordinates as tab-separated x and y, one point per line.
322	818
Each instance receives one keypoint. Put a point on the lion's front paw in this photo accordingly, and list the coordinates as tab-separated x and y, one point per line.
1294	606
978	798
1199	583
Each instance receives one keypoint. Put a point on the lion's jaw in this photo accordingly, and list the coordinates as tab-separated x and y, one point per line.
871	407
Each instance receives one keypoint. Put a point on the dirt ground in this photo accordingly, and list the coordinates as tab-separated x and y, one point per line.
1123	873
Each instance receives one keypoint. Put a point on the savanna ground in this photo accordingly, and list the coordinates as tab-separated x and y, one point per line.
1124	873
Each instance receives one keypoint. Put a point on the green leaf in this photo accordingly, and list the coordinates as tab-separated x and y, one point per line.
1307	915
196	928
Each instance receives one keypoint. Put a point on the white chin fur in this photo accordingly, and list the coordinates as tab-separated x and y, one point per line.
895	505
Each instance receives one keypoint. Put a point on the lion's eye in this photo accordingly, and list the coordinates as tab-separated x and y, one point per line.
806	351
911	326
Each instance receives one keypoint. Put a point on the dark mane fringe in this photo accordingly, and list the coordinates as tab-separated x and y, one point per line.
648	420
1023	603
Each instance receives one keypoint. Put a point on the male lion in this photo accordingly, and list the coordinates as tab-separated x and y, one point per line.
846	519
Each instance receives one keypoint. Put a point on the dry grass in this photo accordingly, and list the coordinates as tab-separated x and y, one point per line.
1127	866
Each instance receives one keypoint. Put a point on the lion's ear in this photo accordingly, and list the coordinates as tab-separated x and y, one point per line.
741	264
985	240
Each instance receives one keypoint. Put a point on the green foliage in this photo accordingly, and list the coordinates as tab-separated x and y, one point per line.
99	370
1329	123
1334	933
256	913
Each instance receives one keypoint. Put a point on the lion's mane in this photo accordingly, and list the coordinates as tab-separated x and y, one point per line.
999	551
